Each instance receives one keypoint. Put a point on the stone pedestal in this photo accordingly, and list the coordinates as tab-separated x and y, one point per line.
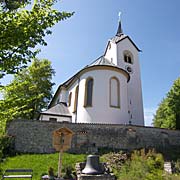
96	177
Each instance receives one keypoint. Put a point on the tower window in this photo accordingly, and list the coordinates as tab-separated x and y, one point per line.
88	92
128	58
114	92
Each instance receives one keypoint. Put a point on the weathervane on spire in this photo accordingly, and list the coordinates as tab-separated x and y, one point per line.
119	15
119	31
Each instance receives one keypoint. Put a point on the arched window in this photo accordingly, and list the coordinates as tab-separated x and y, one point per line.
128	57
88	92
76	98
69	99
114	92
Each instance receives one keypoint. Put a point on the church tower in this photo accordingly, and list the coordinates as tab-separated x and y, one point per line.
124	53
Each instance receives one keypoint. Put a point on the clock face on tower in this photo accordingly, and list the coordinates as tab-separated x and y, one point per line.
129	69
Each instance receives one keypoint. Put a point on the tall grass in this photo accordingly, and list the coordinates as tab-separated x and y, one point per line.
40	163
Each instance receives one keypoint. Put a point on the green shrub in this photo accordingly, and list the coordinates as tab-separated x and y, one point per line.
6	146
146	166
175	167
68	174
51	173
115	160
138	166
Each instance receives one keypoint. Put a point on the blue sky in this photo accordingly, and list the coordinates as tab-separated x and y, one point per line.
153	25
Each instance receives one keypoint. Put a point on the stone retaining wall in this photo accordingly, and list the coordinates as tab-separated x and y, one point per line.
36	137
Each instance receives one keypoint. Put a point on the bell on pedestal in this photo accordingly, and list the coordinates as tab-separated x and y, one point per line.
92	165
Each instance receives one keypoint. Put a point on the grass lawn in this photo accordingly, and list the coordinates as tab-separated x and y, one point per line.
41	162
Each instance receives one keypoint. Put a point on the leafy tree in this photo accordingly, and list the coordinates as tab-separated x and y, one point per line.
164	117
168	112
28	93
21	30
174	101
12	4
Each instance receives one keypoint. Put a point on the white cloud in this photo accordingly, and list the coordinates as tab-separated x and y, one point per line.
148	116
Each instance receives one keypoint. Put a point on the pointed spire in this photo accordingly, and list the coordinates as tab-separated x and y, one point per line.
119	31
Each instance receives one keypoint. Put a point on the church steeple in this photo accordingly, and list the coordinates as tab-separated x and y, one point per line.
119	30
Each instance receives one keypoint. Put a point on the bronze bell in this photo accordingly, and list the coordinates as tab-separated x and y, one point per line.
92	165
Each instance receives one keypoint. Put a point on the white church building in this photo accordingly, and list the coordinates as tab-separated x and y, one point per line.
106	91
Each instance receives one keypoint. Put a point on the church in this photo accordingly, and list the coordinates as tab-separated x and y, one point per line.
107	91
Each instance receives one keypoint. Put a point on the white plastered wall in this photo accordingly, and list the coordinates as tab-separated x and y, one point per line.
135	102
101	112
134	85
72	90
44	117
111	52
